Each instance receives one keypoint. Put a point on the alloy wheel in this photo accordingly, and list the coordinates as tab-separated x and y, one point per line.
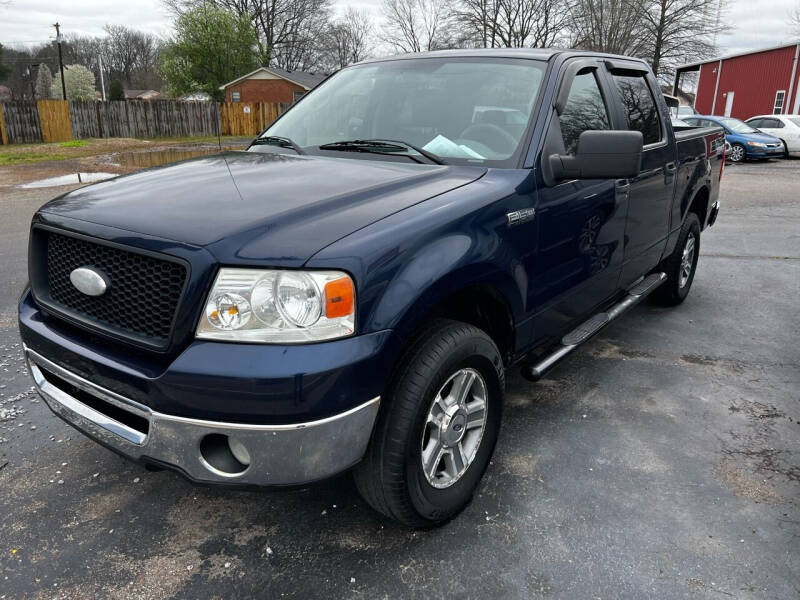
454	428
687	260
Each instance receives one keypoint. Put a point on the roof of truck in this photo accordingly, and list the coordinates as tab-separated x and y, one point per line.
530	53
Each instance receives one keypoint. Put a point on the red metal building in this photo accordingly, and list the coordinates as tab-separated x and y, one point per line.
747	84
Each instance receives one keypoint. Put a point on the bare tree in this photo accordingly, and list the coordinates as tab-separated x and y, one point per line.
347	40
794	21
296	47
680	31
614	26
121	52
417	25
530	23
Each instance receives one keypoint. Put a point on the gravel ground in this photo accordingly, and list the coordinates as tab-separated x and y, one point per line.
662	460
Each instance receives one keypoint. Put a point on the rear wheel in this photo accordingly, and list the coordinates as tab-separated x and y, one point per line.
437	428
680	266
738	153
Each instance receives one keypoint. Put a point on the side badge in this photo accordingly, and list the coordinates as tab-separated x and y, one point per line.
518	217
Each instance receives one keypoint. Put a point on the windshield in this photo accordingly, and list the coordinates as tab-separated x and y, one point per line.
795	120
463	110
737	126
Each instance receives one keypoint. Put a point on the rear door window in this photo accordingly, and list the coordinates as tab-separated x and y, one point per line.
585	110
639	106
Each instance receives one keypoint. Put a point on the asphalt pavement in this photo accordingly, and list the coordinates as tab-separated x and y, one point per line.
662	460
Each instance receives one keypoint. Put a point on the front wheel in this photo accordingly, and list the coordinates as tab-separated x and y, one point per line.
738	153
437	427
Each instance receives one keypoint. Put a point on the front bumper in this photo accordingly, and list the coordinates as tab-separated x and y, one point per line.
262	455
755	152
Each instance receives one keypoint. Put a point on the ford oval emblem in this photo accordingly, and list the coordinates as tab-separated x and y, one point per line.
89	281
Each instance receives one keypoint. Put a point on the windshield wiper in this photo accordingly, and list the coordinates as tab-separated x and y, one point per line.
277	140
378	146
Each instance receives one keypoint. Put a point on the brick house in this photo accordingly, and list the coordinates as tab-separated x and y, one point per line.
270	84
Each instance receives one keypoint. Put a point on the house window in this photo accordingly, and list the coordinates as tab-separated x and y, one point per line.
778	106
236	96
297	95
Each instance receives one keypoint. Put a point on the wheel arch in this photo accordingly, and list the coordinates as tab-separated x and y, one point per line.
699	205
488	299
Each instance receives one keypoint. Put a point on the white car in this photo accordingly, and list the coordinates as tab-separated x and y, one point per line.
785	127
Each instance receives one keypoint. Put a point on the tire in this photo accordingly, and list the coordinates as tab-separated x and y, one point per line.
675	289
738	153
391	478
785	149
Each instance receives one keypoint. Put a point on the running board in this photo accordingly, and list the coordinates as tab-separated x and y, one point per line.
587	329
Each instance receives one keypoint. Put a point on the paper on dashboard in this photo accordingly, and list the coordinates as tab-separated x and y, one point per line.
442	146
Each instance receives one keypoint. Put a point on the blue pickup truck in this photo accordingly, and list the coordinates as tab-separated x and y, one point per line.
349	292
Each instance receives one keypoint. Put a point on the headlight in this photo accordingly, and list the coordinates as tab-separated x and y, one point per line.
757	144
278	307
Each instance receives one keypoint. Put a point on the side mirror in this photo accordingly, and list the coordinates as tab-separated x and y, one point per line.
601	154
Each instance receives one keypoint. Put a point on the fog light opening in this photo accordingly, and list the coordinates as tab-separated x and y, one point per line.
239	451
224	455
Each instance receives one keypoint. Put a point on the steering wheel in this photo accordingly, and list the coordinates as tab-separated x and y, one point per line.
491	135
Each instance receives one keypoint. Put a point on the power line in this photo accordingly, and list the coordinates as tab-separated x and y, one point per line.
28	41
28	58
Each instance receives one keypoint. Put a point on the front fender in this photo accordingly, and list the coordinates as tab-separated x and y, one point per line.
407	263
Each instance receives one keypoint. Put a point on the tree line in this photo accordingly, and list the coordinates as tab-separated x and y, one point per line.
215	41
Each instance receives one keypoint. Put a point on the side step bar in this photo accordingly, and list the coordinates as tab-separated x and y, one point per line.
587	329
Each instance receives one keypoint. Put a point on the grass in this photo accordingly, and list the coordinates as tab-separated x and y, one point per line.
18	154
16	158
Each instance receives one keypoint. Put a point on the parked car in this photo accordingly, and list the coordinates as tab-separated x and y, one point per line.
350	292
746	142
784	127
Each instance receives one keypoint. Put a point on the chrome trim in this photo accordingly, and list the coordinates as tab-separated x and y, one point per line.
51	393
283	454
91	388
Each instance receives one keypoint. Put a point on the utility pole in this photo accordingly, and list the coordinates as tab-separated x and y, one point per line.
102	83
61	61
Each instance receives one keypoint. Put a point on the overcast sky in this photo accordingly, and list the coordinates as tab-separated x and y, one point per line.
755	23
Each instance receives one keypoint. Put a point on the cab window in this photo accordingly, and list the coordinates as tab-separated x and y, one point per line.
585	110
639	106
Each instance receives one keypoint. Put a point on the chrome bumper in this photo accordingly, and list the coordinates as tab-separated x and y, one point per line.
206	451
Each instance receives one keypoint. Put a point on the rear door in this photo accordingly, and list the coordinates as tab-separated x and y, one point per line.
651	193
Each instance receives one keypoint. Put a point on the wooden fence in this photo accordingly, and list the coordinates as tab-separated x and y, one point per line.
29	121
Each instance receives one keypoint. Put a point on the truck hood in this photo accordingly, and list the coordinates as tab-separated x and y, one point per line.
259	207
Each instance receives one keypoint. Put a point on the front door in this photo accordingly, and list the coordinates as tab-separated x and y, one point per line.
651	192
581	222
